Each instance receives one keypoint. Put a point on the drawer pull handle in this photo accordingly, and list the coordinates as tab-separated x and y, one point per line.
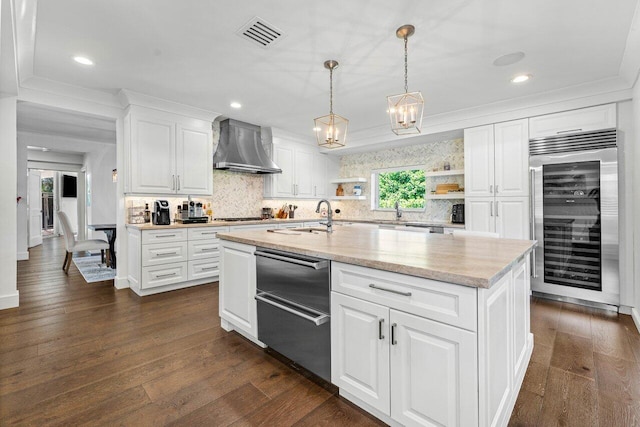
165	275
208	232
393	291
380	323
208	268
208	249
393	334
167	254
165	235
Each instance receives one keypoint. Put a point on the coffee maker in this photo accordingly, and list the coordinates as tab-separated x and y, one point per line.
457	214
161	213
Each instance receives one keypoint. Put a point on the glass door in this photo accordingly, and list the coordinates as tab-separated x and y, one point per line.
572	224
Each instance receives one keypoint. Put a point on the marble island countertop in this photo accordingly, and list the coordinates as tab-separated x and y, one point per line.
471	261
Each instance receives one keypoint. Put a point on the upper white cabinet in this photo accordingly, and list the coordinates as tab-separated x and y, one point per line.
304	171
582	120
496	160
507	216
167	153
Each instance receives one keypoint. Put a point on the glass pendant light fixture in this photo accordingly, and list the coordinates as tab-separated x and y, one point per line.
405	110
331	130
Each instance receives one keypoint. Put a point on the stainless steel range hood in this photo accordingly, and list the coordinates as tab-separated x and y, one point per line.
240	149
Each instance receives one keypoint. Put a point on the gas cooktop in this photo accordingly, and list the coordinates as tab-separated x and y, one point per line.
251	218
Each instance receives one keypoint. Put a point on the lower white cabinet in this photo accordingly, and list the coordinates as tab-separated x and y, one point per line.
415	370
399	357
238	309
507	216
166	259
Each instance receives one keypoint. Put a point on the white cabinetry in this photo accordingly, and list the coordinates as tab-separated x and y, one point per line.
496	179
389	353
582	120
161	260
414	351
304	172
238	309
167	153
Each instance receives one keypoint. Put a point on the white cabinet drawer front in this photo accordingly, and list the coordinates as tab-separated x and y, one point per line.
205	233
163	253
444	302
159	236
163	275
582	120
201	249
204	268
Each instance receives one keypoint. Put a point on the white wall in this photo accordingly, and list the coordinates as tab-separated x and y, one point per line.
102	200
8	217
636	201
68	205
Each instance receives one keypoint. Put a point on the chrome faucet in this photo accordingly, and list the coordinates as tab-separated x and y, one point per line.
329	222
398	210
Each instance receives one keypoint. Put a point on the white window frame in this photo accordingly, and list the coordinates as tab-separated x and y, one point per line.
374	188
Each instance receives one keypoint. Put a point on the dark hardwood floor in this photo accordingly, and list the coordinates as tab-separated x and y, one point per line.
88	354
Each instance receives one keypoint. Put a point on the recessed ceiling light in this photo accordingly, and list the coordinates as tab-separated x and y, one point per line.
508	59
236	105
83	60
521	78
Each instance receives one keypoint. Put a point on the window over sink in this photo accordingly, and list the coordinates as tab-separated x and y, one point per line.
405	185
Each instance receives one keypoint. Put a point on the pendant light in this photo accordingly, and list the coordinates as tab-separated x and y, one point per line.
331	130
405	110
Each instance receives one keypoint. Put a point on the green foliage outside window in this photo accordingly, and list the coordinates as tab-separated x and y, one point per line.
406	187
47	185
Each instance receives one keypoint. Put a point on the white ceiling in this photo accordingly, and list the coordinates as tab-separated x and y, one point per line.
188	51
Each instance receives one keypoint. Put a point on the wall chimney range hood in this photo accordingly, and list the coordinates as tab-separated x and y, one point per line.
240	149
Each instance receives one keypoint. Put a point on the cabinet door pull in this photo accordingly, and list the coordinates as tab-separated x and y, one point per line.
491	189
393	334
393	291
380	323
491	213
165	235
178	182
567	131
208	268
497	188
497	208
208	249
173	182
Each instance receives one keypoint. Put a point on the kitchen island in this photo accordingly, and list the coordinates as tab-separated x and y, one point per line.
426	329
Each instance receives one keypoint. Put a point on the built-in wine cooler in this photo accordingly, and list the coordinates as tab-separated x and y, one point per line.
574	211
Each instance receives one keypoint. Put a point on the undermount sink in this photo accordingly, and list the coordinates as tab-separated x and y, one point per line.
309	229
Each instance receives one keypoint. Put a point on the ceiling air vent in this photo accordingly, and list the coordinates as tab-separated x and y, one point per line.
260	32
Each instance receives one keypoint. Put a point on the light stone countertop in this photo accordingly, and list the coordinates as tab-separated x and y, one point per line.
471	261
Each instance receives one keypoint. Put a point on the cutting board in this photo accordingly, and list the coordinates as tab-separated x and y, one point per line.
445	188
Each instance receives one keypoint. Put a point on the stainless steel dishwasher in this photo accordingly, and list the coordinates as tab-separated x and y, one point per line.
293	296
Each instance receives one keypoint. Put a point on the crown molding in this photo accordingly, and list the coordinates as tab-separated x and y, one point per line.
8	50
630	64
128	97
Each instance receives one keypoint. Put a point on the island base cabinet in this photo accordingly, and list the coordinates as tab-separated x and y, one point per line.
238	308
409	369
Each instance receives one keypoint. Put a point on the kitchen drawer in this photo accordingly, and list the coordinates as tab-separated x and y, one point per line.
163	253
162	275
204	233
204	268
444	302
159	236
200	249
582	120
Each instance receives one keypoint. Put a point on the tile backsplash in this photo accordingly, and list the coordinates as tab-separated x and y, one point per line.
430	156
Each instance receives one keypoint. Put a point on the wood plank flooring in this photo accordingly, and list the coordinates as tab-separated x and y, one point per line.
88	354
584	371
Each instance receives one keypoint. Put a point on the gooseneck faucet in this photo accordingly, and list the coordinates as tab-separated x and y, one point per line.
398	211
329	222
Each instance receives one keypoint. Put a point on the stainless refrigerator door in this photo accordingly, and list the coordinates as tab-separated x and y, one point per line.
608	211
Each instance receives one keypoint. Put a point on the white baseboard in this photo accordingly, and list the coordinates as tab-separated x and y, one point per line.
9	301
23	256
635	315
625	309
121	283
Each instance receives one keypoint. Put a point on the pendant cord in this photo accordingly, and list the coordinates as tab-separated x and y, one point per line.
406	85
331	91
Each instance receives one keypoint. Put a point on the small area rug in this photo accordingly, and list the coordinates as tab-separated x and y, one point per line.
92	270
